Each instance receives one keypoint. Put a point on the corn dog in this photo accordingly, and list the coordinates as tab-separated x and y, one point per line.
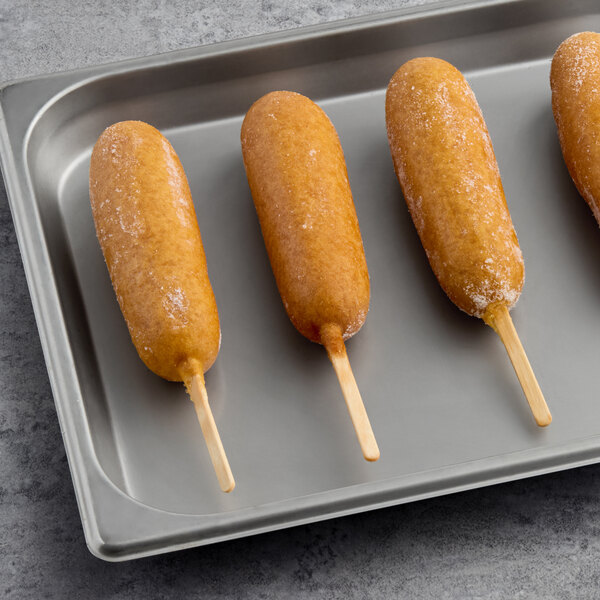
575	84
445	163
299	183
146	225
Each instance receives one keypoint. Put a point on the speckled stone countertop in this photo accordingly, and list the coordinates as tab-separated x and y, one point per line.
537	538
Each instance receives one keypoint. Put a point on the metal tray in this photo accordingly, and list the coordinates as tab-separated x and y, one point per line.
443	400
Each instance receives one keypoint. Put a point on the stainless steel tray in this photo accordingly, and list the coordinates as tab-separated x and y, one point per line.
441	394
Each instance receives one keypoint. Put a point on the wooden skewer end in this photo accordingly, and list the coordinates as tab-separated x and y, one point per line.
199	397
331	338
498	318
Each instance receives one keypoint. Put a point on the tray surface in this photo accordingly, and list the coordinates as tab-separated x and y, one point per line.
443	400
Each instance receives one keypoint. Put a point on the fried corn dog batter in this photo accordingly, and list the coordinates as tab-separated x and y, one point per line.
446	166
575	84
146	224
299	182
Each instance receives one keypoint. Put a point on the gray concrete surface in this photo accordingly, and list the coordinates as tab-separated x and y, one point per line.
538	538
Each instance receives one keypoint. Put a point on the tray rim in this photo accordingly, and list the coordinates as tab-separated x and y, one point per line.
101	532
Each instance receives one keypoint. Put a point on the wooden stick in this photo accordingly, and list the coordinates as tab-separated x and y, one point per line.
199	397
333	341
498	318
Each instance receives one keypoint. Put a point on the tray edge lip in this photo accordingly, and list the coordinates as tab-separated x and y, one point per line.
292	34
584	452
14	182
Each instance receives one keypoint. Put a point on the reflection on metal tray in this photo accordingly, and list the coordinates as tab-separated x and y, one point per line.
443	400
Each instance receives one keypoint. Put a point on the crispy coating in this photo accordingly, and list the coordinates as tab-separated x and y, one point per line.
299	183
147	228
575	84
446	166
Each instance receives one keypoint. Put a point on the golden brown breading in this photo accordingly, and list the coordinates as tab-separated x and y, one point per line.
446	166
299	183
146	224
575	83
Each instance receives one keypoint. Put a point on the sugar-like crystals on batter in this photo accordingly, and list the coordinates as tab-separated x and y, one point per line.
446	166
